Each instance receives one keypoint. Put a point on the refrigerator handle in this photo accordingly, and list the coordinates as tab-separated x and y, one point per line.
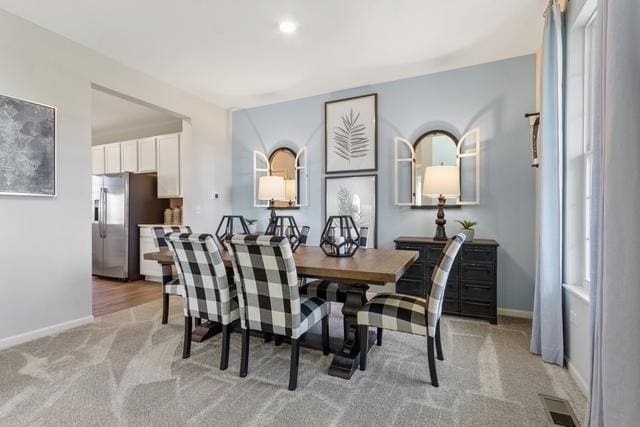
104	212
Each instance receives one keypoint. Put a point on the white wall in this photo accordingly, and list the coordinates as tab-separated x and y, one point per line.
135	132
45	245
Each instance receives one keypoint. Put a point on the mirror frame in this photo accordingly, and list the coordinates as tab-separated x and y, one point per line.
415	145
297	172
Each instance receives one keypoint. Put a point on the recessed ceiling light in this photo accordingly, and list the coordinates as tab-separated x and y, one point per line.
288	27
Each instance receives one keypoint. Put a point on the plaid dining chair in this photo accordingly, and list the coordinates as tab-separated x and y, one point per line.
267	283
413	315
170	284
208	295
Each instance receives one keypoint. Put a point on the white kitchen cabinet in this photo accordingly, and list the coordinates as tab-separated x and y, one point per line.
129	153
147	155
112	158
169	173
97	160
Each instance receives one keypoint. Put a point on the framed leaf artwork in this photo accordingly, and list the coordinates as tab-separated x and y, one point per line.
351	134
355	196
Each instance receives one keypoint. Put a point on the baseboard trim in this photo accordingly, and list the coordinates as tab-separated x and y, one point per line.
582	384
43	332
523	314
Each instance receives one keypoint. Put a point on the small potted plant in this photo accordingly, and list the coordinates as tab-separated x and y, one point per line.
252	223
467	229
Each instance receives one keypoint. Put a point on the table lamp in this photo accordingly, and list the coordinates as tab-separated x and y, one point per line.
441	182
290	191
271	188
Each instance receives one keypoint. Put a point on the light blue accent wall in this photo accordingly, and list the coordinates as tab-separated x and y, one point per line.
492	96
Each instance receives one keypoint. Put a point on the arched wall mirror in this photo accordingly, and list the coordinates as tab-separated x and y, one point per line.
437	147
292	167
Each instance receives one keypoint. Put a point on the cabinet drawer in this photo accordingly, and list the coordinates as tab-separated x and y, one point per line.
416	271
434	252
410	287
477	273
479	291
477	308
412	247
451	306
475	254
451	291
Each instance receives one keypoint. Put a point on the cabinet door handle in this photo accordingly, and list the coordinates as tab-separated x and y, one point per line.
468	285
482	304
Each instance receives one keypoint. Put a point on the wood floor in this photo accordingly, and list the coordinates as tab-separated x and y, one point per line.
111	296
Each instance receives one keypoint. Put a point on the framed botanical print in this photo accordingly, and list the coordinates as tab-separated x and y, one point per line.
355	196
27	148
351	134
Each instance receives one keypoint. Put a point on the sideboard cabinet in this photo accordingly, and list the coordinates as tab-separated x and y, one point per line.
472	285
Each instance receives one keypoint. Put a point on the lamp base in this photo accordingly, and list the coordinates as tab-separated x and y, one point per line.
441	234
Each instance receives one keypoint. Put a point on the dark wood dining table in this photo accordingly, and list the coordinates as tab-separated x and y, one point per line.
355	274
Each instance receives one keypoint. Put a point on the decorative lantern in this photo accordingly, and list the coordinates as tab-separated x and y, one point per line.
226	227
340	237
286	226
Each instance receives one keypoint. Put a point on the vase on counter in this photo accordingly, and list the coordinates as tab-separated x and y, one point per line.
168	216
177	216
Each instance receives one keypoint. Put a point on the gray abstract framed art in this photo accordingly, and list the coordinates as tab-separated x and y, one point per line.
27	148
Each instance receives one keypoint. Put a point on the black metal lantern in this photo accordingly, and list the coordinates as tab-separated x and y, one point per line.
340	237
286	226
225	227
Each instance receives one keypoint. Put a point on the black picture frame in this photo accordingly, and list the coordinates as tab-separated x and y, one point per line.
375	134
375	198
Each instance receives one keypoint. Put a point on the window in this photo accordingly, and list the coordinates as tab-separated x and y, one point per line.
588	119
580	93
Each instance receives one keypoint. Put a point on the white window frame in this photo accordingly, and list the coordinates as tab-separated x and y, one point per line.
589	63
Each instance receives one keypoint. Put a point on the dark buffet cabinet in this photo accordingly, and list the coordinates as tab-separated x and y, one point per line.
472	284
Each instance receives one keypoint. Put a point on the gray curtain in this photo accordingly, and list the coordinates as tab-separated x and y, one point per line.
615	285
547	335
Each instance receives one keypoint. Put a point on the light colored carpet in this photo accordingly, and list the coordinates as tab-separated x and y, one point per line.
126	369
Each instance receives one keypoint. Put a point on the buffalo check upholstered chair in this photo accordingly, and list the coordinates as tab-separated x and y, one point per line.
267	282
207	292
170	284
413	315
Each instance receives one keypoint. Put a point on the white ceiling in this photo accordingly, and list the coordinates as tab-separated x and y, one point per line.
231	52
111	113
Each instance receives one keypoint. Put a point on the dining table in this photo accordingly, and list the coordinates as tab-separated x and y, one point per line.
366	267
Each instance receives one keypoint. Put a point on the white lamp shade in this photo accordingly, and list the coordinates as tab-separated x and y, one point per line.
290	189
271	188
441	180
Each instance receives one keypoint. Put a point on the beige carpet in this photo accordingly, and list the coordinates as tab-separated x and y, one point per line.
126	369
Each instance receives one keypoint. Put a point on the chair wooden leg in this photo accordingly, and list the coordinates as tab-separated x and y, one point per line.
165	308
186	346
379	337
364	346
277	340
224	354
325	335
438	342
432	361
244	358
197	321
268	338
293	370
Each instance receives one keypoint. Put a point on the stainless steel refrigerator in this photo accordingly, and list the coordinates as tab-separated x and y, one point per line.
120	203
